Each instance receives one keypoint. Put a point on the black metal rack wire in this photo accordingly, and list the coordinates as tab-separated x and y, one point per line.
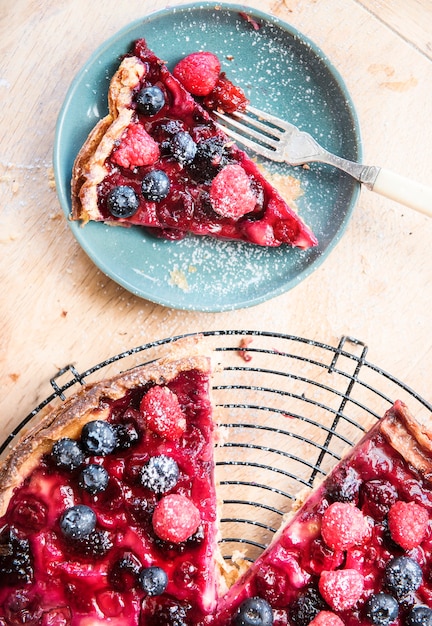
288	407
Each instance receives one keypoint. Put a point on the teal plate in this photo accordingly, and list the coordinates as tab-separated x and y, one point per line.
282	72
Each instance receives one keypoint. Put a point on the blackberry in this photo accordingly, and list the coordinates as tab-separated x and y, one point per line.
211	156
67	454
15	559
150	100
97	544
160	474
98	438
122	201
93	478
124	573
381	609
307	606
78	522
155	186
183	147
153	580
343	485
171	614
402	576
254	612
419	616
377	496
126	435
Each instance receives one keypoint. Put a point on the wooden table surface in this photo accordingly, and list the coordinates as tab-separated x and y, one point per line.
57	308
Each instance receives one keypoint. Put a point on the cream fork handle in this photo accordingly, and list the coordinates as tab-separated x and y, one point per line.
403	190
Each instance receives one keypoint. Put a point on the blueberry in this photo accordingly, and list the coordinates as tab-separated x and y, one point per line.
402	576
78	522
160	474
126	435
254	612
153	580
419	616
98	438
122	201
67	454
381	609
93	478
155	186
183	147
150	100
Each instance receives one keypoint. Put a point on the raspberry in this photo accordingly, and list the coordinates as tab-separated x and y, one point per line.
162	413
198	72
326	618
175	518
407	523
343	526
231	193
342	588
226	96
136	148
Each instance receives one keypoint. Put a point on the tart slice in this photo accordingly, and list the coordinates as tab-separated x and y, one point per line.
359	550
108	508
158	160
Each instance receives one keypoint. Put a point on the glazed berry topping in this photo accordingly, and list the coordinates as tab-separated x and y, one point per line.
307	606
29	514
175	518
137	148
162	413
343	485
381	609
341	589
153	580
78	522
160	474
198	72
408	523
122	201
126	435
150	100
377	497
183	148
15	559
254	612
98	438
226	96
124	572
67	454
326	618
155	186
343	526
402	576
93	478
419	616
231	193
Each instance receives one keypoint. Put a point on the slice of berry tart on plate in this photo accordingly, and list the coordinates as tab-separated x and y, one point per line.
359	549
158	160
108	507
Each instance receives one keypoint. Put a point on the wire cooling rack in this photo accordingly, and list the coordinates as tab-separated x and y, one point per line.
289	408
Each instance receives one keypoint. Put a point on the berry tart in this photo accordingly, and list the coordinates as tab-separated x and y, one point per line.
108	515
158	160
108	508
359	549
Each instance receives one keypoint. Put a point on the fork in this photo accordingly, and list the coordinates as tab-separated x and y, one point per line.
280	141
